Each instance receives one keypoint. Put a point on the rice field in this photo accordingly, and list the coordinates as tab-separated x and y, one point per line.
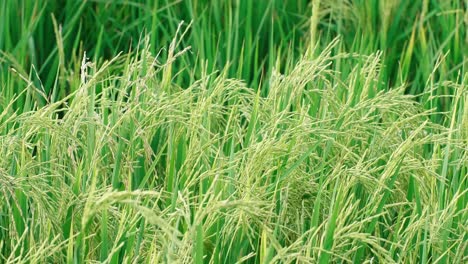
234	131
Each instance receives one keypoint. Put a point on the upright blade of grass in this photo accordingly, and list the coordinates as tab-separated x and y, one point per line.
198	249
330	230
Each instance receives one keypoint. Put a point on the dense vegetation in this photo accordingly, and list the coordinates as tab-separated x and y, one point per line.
279	131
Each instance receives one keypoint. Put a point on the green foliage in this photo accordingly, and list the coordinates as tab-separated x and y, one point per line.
255	131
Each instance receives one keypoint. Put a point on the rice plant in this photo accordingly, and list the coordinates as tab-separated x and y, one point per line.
233	131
